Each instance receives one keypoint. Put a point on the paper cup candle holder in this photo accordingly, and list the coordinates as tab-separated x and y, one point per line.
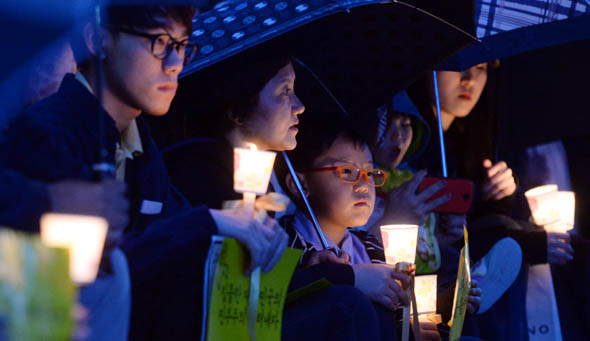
551	208
83	236
399	243
252	171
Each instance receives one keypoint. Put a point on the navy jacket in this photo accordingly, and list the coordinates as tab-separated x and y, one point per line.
57	138
22	201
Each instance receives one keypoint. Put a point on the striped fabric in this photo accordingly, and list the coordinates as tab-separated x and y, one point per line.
372	244
495	16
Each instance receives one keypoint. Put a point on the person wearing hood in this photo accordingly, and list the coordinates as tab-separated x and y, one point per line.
401	136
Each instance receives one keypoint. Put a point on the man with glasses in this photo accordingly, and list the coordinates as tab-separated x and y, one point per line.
92	126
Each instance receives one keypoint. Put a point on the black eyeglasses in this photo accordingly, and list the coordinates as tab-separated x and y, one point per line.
163	44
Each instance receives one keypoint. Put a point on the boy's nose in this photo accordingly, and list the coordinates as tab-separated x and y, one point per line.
173	64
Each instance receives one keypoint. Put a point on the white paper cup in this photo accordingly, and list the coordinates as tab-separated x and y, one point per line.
399	242
252	170
84	236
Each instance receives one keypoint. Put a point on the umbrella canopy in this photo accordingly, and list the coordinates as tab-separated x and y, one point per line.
29	26
511	27
363	50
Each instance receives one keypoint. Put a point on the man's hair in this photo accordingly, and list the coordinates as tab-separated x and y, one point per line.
136	17
318	133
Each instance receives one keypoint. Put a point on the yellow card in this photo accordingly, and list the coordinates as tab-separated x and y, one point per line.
228	311
462	288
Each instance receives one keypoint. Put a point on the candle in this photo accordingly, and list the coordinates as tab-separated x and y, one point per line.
84	236
425	290
552	209
252	169
399	242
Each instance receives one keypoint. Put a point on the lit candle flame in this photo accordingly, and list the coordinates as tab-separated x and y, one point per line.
253	146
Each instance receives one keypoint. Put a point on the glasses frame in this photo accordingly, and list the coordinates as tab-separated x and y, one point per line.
362	173
172	43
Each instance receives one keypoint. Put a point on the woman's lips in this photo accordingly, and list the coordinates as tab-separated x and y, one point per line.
167	88
361	204
465	96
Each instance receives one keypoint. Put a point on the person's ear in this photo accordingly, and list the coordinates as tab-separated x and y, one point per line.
292	187
94	39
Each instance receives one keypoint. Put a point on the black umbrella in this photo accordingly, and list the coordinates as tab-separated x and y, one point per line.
510	27
29	26
363	50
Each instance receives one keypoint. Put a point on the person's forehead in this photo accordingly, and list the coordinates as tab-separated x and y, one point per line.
400	116
344	151
168	25
285	74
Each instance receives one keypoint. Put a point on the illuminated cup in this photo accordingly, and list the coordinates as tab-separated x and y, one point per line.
252	170
565	202
84	236
552	209
425	291
399	242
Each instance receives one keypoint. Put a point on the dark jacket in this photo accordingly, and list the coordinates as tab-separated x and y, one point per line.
58	138
372	245
22	201
210	162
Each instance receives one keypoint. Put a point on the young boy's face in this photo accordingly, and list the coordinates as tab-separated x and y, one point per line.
398	139
136	76
342	204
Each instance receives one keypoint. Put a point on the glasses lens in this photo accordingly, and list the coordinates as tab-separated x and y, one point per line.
349	173
376	177
161	46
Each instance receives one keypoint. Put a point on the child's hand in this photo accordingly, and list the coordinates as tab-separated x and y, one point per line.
500	182
474	299
381	283
327	256
404	205
265	241
559	250
428	331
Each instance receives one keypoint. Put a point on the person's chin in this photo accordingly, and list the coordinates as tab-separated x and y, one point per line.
289	144
157	111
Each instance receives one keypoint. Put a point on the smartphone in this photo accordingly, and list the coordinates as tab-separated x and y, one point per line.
461	191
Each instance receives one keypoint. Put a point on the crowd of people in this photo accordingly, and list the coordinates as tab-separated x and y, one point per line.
170	144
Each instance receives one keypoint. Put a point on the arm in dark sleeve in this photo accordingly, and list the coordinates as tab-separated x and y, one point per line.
22	201
335	273
180	240
32	151
533	244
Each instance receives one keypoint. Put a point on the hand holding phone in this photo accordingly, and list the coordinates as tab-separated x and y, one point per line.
406	206
459	190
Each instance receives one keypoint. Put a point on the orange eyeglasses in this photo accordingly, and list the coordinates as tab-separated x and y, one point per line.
352	175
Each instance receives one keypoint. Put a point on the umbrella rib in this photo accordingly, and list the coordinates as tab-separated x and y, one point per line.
438	18
324	86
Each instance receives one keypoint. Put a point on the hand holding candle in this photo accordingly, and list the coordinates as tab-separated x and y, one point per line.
552	209
555	211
